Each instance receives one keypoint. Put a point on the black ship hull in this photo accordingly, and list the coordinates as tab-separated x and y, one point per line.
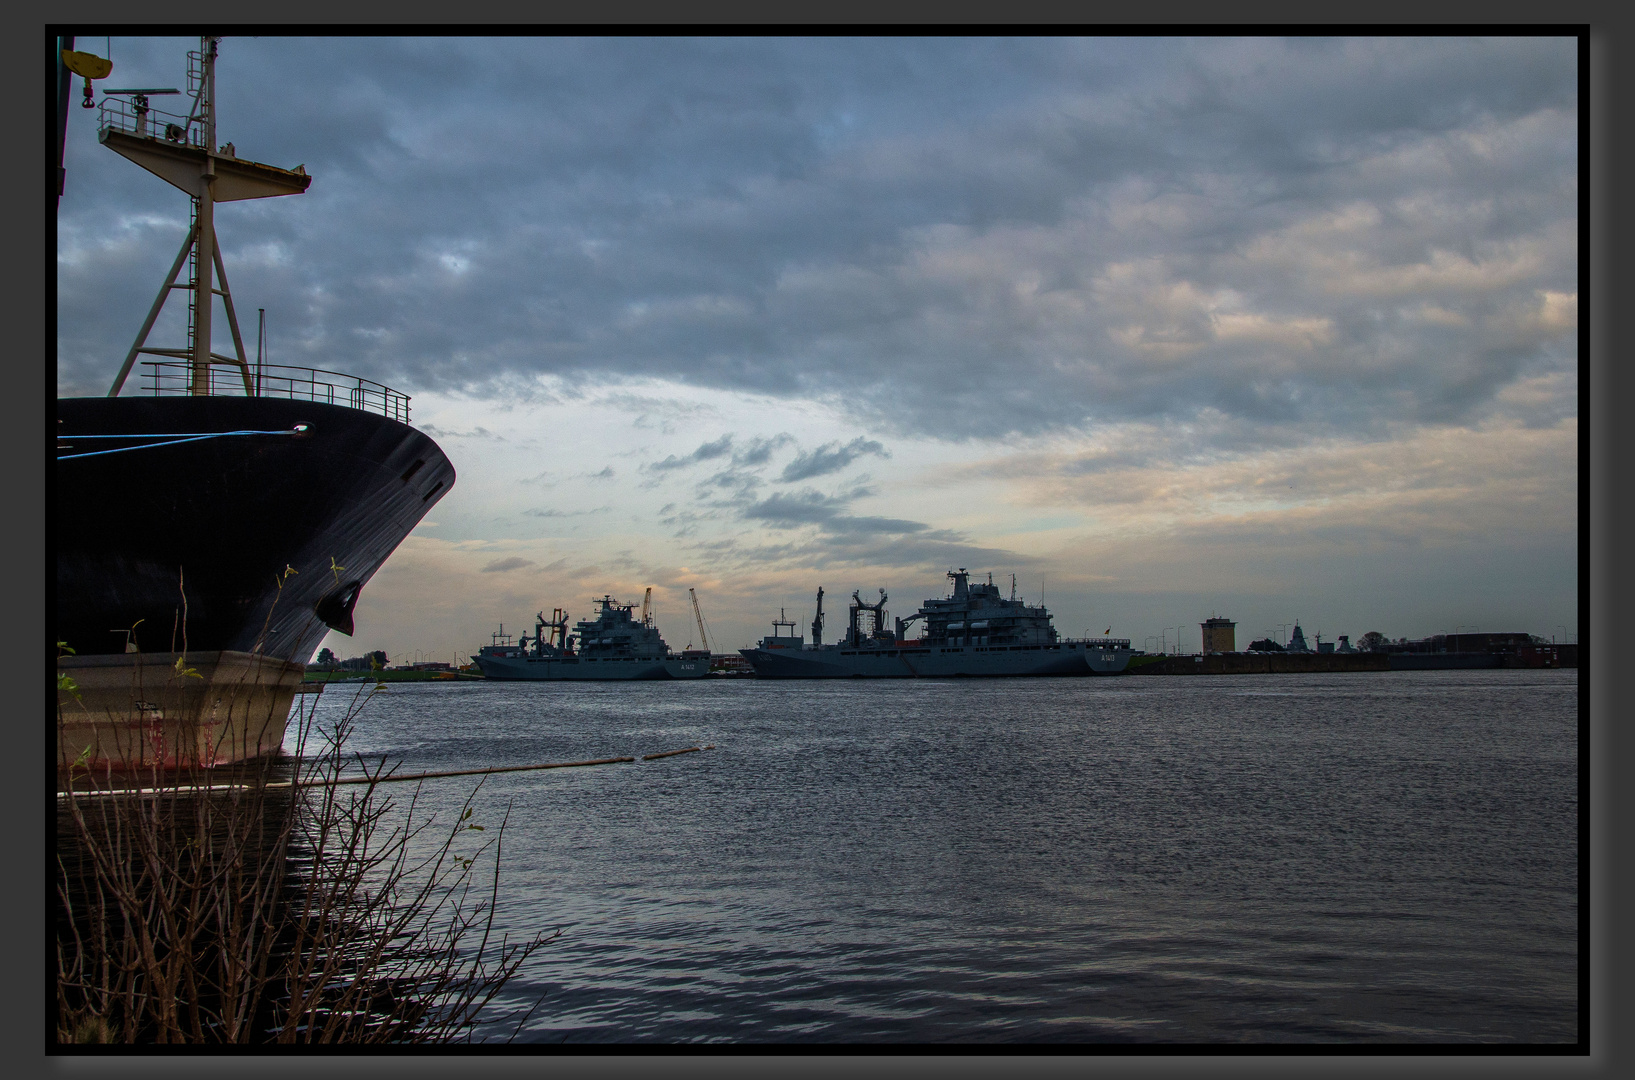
188	547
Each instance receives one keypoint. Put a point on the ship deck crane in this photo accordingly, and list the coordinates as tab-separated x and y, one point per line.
854	634
703	637
647	606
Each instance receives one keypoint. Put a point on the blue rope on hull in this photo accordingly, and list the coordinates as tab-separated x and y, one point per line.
171	439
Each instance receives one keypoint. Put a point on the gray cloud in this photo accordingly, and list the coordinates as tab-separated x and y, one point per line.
740	484
705	452
828	458
760	450
502	565
956	237
806	507
554	513
845	550
809	507
478	432
893	526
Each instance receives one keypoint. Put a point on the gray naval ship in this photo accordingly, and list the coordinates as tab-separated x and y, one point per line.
974	631
613	646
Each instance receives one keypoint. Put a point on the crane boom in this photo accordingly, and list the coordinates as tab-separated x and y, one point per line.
647	605
699	615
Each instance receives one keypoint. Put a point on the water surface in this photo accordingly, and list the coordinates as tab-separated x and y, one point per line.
1357	857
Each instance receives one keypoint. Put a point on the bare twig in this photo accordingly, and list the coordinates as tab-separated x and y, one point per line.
286	909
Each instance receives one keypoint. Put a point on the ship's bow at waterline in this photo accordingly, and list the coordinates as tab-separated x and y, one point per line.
202	560
171	711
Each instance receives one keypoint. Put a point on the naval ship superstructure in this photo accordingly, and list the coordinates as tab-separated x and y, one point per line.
974	631
612	646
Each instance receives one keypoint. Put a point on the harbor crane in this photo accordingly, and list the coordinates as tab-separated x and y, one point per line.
703	637
817	623
647	606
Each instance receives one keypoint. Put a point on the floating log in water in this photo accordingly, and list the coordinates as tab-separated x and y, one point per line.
461	772
394	779
673	753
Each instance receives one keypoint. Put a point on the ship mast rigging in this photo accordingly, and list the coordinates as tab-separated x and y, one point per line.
183	153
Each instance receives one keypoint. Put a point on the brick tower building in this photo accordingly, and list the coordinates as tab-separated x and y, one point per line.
1219	635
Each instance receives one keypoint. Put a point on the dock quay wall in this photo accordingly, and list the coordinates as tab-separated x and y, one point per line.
1270	663
1444	661
1258	663
1544	656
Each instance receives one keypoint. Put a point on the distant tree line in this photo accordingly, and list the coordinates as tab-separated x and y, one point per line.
367	662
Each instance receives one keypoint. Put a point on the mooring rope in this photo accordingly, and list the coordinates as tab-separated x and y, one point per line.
376	779
174	438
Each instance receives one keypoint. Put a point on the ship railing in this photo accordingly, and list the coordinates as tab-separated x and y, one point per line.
117	114
175	378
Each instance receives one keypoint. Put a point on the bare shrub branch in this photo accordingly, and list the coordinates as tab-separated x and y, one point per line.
284	909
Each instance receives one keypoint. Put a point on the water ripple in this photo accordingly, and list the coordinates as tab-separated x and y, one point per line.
1358	857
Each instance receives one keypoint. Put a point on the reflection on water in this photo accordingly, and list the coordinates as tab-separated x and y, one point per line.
1367	856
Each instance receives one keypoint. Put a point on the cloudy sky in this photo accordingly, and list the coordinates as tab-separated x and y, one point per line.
1270	329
